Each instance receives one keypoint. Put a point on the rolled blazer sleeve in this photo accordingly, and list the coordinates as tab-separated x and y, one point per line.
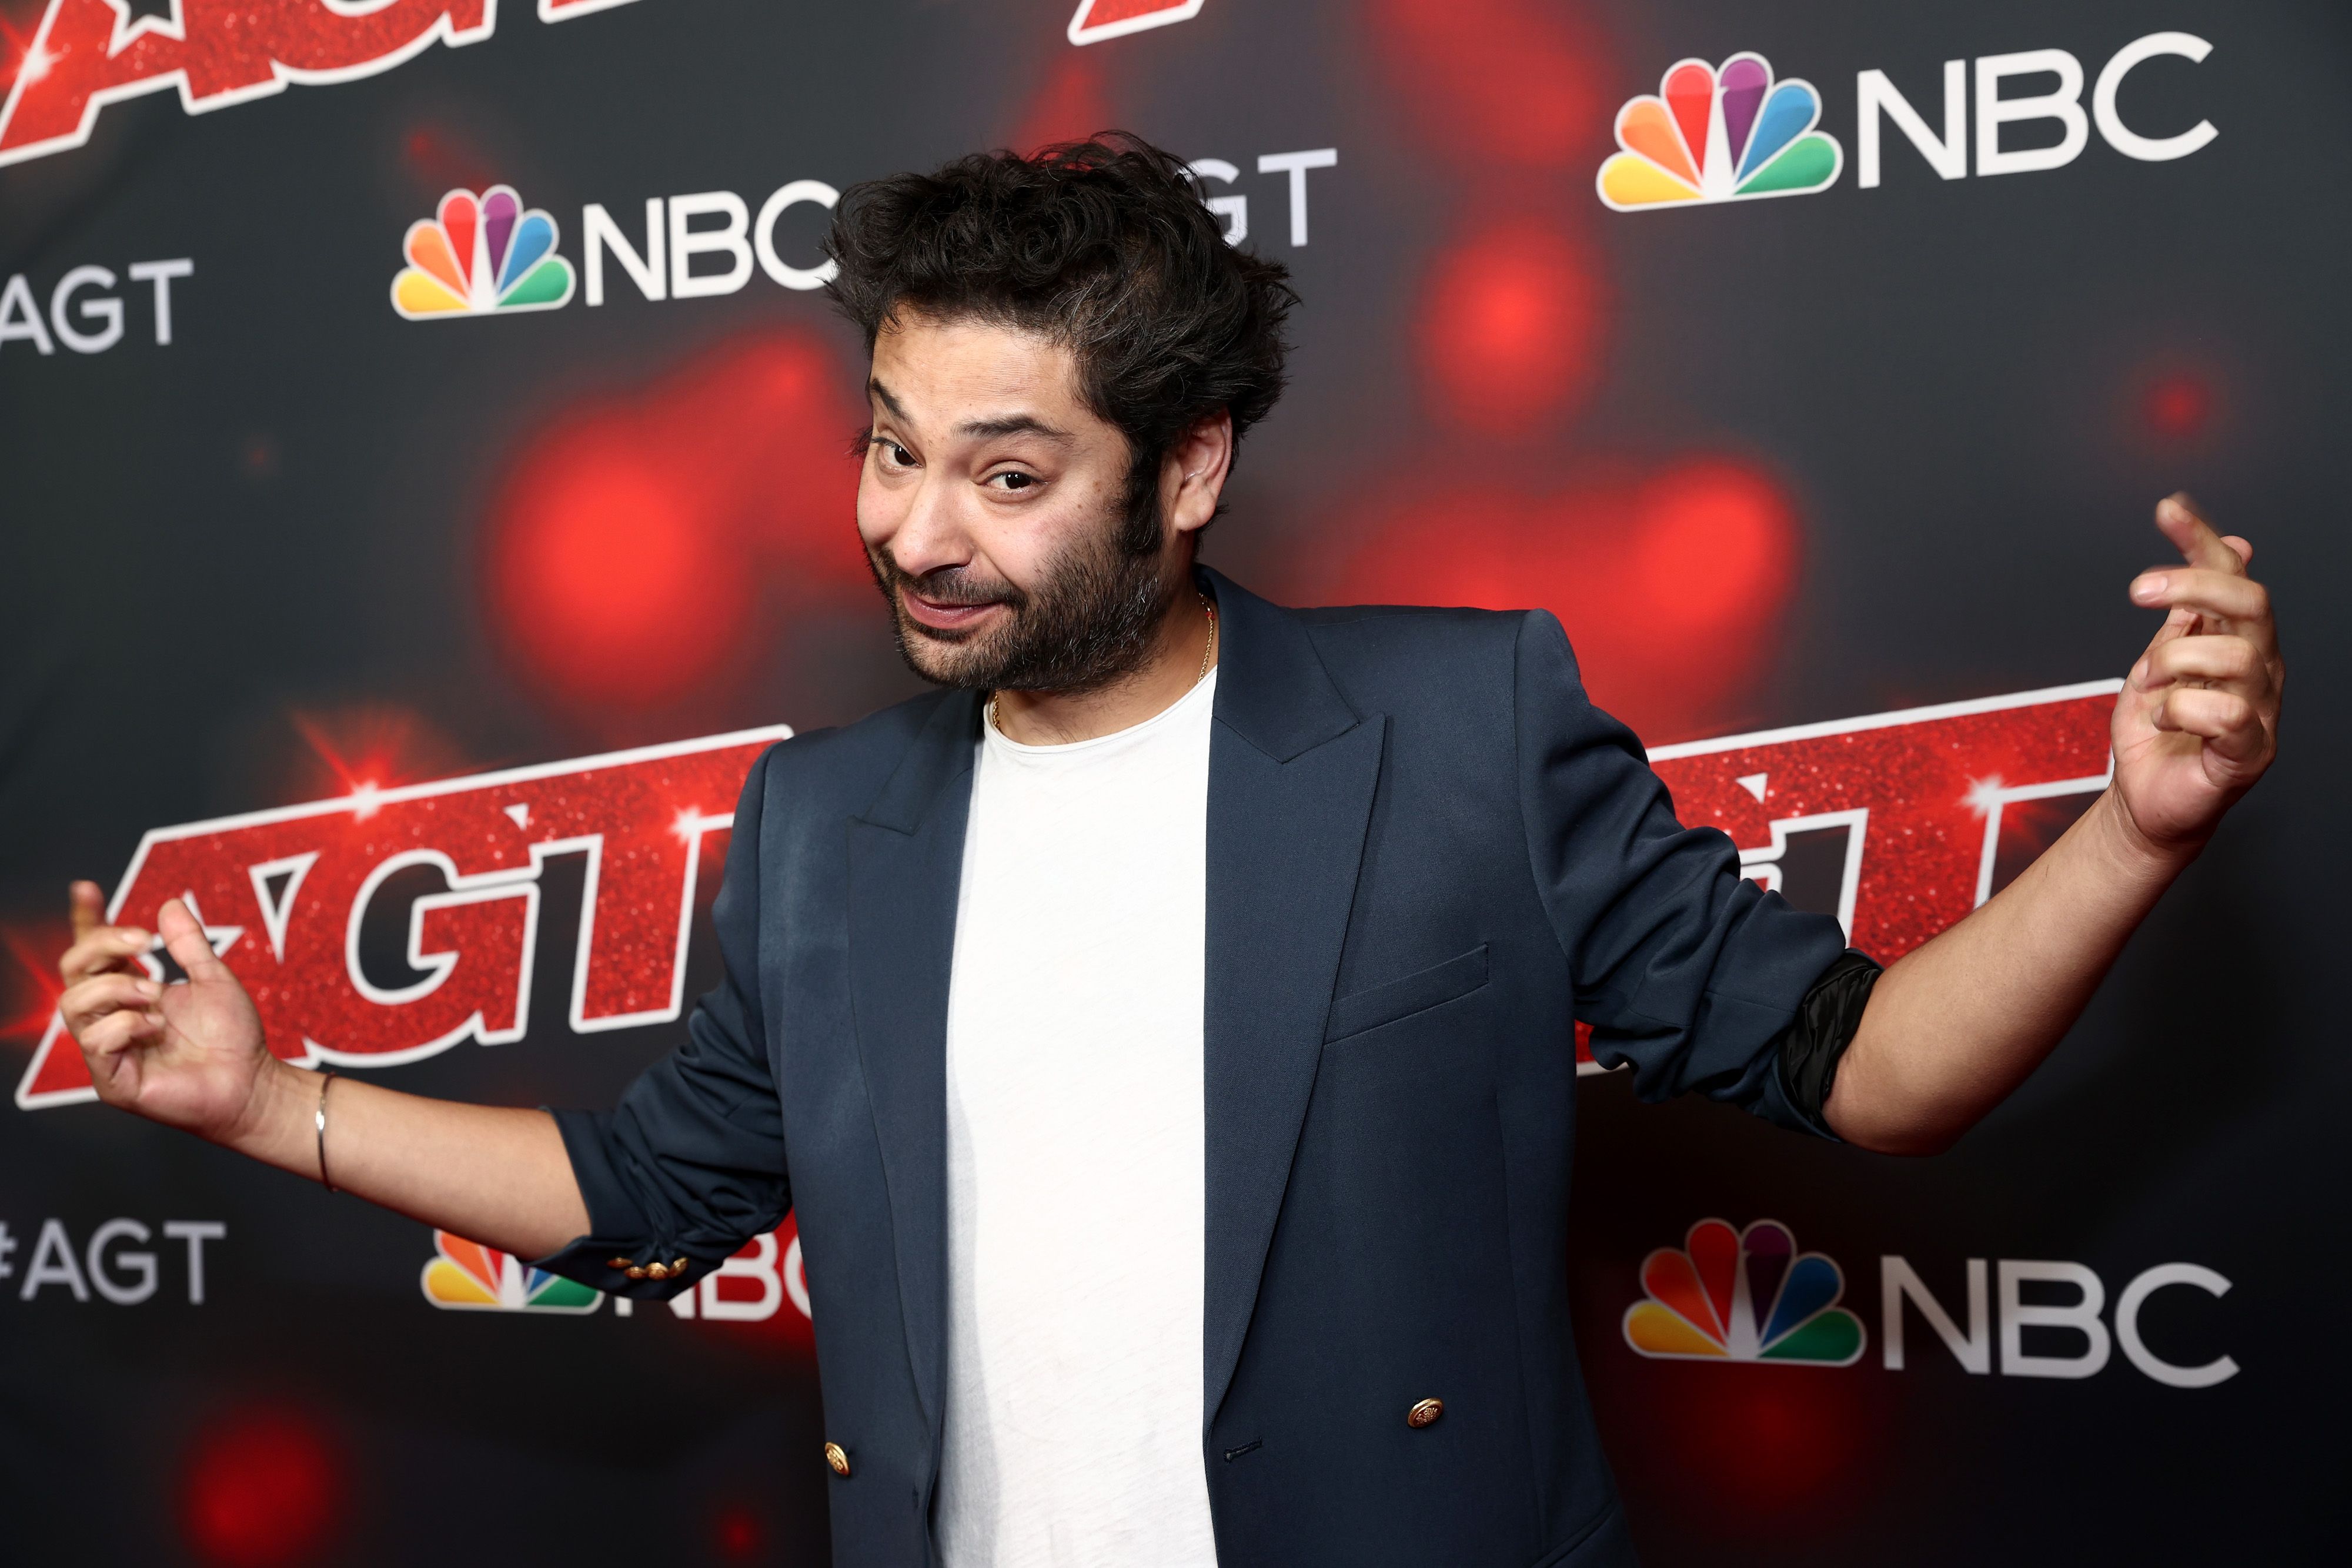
691	1163
1685	969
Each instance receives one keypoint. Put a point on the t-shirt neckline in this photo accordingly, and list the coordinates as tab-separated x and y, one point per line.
1202	691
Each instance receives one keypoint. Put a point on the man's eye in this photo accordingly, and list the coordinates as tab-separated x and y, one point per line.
1013	479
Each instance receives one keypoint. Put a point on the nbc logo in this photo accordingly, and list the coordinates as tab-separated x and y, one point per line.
1743	1295
480	255
471	1277
1719	135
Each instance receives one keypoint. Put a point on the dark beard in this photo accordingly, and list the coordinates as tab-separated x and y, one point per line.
1088	625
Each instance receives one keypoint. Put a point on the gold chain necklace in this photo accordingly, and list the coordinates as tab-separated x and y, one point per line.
1208	606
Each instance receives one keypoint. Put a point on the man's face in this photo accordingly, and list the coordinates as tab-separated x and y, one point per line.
991	504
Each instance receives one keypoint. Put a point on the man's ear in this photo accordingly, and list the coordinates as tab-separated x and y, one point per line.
1193	477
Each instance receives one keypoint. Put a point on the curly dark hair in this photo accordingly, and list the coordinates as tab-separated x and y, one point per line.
1104	245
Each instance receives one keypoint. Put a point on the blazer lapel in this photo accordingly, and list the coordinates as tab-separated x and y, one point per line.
1292	773
906	870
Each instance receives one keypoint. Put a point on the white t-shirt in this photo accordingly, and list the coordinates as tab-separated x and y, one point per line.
1075	1156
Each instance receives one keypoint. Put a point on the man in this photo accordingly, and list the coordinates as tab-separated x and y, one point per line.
1164	1032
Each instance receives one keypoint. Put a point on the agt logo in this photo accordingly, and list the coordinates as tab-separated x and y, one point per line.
1749	1295
86	54
1731	132
117	1262
389	925
1893	821
449	875
1096	20
85	312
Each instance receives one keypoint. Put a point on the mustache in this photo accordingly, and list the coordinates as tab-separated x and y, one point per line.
948	584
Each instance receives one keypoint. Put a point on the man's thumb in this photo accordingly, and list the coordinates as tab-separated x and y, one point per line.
185	939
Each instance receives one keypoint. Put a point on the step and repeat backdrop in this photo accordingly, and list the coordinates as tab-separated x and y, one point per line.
422	492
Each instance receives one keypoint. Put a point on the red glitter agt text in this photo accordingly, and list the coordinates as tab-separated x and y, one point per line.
86	54
1921	792
283	894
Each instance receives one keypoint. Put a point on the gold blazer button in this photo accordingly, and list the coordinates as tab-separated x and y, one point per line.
837	1459
1424	1414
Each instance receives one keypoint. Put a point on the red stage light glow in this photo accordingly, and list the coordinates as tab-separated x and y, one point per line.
264	1488
1073	103
441	162
1512	328
1713	539
613	573
737	1533
1764	1441
2178	407
630	540
19	48
1671	587
31	985
369	746
1508	84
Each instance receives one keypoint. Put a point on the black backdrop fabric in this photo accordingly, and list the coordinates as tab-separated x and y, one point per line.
1837	493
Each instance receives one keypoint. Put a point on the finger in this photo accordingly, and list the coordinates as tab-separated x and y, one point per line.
185	939
2176	516
106	950
2180	623
2235	661
2226	721
118	1032
2244	548
95	997
2231	595
88	905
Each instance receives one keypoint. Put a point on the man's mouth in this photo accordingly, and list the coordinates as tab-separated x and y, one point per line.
942	615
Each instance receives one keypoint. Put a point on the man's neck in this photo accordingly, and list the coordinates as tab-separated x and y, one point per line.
1176	666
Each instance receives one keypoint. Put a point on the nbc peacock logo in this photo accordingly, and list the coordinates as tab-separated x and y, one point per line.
1719	134
480	256
469	1277
1743	1295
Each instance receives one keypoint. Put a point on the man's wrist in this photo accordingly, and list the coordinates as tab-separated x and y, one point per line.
278	1126
2134	852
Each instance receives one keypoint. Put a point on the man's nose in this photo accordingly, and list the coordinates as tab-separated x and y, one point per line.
931	535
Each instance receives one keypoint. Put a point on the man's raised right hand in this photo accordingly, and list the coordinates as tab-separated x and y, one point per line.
189	1055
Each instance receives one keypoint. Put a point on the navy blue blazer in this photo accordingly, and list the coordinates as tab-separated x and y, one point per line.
1428	854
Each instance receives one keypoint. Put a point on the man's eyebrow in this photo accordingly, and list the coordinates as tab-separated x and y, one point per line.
1013	424
982	429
